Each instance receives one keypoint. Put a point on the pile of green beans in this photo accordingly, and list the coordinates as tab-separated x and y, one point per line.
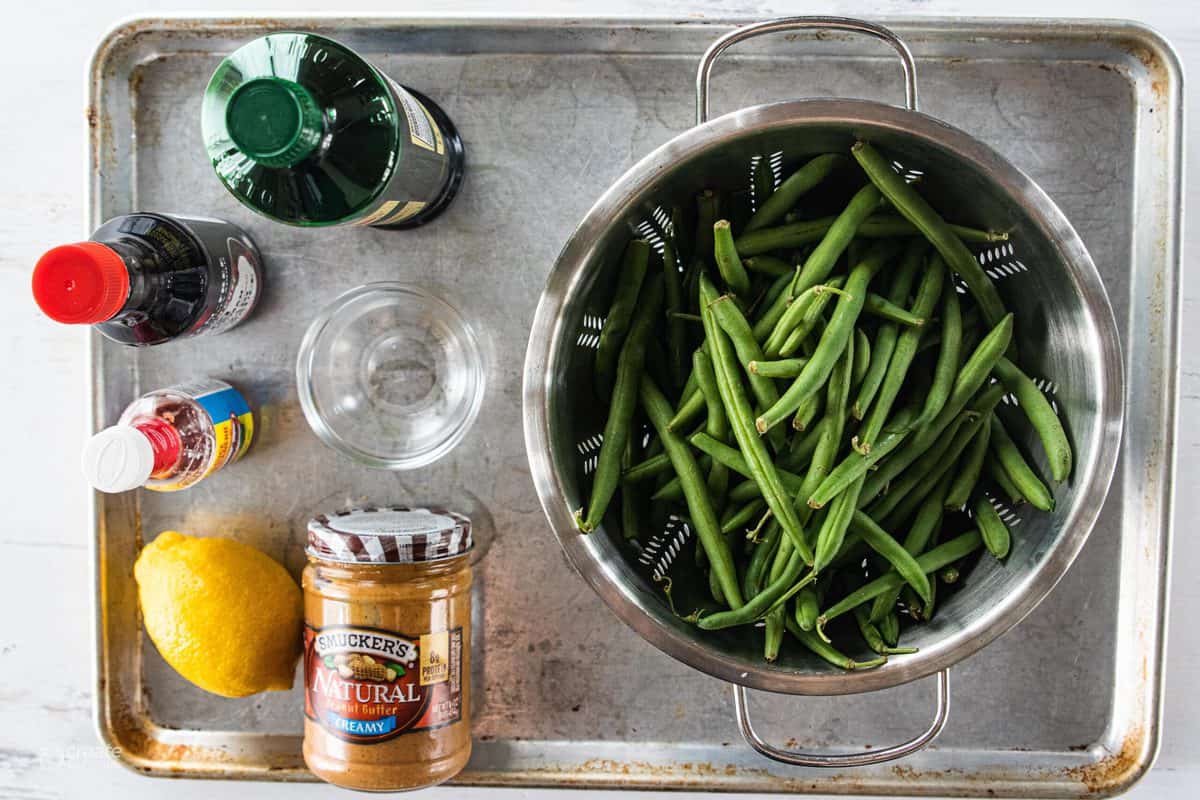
818	399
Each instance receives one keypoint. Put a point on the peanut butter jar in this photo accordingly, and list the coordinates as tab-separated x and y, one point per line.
387	663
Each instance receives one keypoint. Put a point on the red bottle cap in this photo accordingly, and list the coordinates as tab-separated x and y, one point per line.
80	284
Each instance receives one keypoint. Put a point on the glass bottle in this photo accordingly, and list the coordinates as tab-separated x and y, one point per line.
303	130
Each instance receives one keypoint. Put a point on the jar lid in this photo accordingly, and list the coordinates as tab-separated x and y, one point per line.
389	535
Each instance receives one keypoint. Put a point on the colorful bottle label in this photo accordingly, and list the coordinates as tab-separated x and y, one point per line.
367	686
232	420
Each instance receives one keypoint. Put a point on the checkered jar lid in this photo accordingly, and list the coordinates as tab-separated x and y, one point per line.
389	535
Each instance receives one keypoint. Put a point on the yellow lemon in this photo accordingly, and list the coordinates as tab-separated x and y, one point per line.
226	616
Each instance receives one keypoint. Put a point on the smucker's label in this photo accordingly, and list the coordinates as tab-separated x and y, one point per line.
366	686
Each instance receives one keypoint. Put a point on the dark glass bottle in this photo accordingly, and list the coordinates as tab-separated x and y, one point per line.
303	130
145	278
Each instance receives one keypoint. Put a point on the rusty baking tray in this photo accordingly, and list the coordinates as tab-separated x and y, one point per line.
1066	705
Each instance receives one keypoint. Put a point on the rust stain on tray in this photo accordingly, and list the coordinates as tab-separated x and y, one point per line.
1113	771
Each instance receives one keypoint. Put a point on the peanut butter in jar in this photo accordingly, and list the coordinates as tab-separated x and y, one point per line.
387	603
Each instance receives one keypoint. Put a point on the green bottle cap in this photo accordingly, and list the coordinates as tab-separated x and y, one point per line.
274	121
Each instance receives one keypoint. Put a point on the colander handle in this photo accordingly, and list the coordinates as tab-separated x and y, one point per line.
862	759
718	47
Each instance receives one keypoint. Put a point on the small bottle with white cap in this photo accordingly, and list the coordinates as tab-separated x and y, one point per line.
171	439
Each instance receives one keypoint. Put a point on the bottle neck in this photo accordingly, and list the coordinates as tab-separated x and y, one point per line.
165	441
274	121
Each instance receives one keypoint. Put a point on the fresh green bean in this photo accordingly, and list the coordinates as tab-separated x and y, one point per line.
888	333
620	413
883	308
853	467
996	470
792	189
821	261
972	467
874	637
703	518
630	527
730	319
886	546
974	372
801	449
621	312
948	356
833	339
728	263
802	232
808	608
813	316
716	423
995	533
803	311
1022	476
924	526
708	211
650	468
827	652
931	561
1041	416
757	605
714	587
913	207
862	357
737	405
676	331
764	550
889	628
949	575
782	368
806	414
689	411
775	310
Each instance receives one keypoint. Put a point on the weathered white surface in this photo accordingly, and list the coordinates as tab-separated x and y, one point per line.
47	745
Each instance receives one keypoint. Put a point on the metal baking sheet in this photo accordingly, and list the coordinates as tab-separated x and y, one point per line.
1065	705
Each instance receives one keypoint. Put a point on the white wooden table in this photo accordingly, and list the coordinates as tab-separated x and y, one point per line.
48	748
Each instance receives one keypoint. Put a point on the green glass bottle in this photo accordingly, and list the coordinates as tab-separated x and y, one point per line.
305	131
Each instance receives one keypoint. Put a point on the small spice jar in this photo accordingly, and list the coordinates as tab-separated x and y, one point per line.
387	666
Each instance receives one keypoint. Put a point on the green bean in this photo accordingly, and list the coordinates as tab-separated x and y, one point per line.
806	414
972	467
734	459
807	608
949	575
929	562
886	546
621	312
929	290
716	423
826	651
650	468
813	316
782	368
689	410
948	356
763	551
740	518
874	637
738	407
995	533
629	509
853	467
922	531
703	518
1001	479
1041	416
766	393
1022	476
889	627
883	308
805	308
715	589
974	372
620	412
833	339
822	260
888	333
790	191
676	332
744	492
862	357
757	605
769	265
728	263
913	207
801	232
707	213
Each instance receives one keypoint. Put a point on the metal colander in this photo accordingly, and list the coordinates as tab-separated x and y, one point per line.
1065	331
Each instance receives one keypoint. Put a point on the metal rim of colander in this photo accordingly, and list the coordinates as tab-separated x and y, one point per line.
548	338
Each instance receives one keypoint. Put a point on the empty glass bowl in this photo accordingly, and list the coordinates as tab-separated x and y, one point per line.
390	376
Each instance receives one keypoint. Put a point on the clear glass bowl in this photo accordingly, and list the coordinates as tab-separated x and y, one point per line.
390	376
